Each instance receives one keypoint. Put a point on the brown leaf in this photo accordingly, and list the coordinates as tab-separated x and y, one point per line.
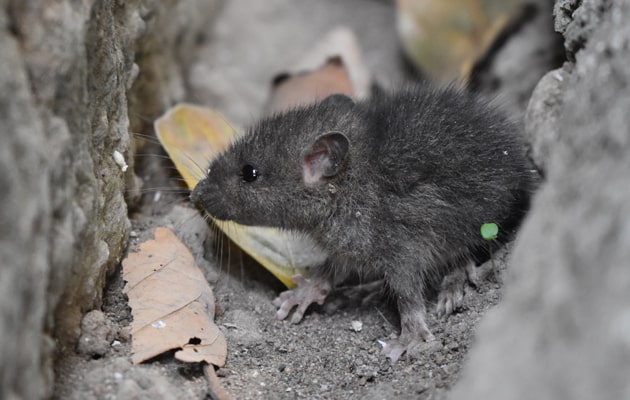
333	65
308	87
172	303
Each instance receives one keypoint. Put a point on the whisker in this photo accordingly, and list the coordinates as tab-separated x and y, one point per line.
229	254
180	224
153	155
221	236
242	266
228	123
215	245
200	169
179	180
144	136
166	189
170	203
141	117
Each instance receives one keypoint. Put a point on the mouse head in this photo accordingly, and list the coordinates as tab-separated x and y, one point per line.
279	173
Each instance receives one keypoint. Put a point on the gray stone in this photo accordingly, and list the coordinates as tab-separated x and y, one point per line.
66	72
24	227
563	329
577	20
542	115
563	14
97	334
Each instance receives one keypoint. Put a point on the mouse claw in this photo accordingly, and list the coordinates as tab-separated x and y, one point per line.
414	331
285	308
394	349
452	291
307	292
449	301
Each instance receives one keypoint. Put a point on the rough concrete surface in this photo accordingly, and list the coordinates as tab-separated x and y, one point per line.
65	71
563	328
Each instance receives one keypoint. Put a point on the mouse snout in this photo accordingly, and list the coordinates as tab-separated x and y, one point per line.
208	197
193	197
197	194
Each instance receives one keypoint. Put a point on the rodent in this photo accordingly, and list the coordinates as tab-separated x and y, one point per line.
395	186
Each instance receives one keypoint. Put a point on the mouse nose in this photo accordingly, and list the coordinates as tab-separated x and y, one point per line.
197	193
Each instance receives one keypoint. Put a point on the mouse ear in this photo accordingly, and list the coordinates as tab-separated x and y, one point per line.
325	157
338	100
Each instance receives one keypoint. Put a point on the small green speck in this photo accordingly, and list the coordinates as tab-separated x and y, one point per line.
489	231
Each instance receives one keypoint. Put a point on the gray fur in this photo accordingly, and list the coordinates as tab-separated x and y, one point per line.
425	168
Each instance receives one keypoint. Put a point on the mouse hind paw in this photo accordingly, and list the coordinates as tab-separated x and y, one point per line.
414	331
394	349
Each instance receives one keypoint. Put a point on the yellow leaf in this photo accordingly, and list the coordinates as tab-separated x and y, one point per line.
171	302
447	38
193	136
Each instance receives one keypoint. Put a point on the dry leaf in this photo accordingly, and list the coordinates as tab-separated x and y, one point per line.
342	43
308	87
193	136
333	65
447	38
171	302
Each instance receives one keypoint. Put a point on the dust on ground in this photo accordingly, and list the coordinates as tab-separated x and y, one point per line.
322	357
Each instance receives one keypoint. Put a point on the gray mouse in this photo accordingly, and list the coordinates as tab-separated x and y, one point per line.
396	186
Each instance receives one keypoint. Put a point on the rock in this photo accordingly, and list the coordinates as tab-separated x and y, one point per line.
66	72
563	329
577	21
97	334
541	117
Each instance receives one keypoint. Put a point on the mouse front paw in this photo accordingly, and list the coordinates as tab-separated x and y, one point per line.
307	292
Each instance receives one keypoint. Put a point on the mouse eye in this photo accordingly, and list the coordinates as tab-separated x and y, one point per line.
249	173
